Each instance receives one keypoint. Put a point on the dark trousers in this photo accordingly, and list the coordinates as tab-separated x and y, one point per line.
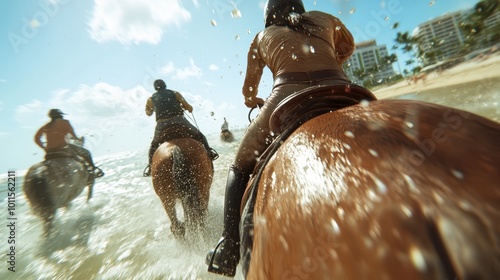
83	153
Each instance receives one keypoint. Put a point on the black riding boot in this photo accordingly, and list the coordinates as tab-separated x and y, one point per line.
226	255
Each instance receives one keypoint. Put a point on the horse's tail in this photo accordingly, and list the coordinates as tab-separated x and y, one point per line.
186	184
36	189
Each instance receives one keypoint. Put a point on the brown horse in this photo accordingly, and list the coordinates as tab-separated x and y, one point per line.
389	189
181	170
226	136
53	184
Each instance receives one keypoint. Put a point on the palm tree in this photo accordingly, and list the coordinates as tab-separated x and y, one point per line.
474	28
395	47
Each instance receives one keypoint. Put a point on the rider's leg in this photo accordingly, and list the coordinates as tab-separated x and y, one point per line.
225	257
211	152
152	149
85	154
196	134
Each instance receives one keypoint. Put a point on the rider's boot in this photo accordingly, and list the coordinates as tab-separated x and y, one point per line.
226	255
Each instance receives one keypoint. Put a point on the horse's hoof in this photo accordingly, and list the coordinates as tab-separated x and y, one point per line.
179	231
224	258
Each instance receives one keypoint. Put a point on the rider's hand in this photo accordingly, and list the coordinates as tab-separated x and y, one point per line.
253	102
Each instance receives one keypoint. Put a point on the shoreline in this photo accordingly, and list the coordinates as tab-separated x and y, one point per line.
466	72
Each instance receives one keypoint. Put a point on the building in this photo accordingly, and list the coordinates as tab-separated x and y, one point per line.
370	58
442	36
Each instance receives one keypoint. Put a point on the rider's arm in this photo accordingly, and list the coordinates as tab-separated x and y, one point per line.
255	68
38	137
343	40
184	104
149	107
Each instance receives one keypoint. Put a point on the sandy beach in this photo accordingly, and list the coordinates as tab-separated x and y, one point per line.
470	71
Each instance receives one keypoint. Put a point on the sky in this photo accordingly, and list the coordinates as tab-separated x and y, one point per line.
96	60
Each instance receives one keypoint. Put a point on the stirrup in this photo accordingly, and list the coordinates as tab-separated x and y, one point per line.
213	154
229	263
97	172
147	171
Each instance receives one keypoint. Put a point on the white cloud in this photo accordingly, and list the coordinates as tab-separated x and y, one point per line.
112	119
30	107
181	73
135	21
213	67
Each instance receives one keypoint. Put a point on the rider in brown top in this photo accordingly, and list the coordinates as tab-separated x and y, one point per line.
301	49
55	134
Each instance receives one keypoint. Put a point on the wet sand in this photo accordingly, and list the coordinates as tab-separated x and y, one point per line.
486	69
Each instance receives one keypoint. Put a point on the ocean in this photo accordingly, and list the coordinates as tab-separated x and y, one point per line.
124	232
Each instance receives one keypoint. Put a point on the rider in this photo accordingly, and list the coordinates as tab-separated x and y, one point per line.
55	133
225	126
169	105
301	49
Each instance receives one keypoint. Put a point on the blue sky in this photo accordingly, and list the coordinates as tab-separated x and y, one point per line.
97	60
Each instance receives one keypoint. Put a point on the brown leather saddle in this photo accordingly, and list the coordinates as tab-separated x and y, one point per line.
291	113
60	153
176	131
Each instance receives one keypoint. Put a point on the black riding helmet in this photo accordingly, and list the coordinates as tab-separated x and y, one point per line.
159	84
55	113
276	9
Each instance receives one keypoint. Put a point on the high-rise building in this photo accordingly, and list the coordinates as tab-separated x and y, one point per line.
370	58
442	36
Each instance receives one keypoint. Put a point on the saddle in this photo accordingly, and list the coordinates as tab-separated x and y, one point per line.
176	131
291	113
60	153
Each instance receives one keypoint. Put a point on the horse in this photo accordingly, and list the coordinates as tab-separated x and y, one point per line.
392	189
54	183
226	136
182	170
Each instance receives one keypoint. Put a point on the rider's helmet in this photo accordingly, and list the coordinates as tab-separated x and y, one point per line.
160	84
276	9
55	113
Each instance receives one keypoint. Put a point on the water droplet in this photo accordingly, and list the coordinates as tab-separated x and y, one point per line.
409	124
235	13
311	48
457	174
417	258
335	226
237	37
213	22
248	31
349	134
373	152
352	11
250	88
337	28
364	103
386	18
282	47
294	57
432	3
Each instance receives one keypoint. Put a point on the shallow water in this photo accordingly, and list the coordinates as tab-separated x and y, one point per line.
123	232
